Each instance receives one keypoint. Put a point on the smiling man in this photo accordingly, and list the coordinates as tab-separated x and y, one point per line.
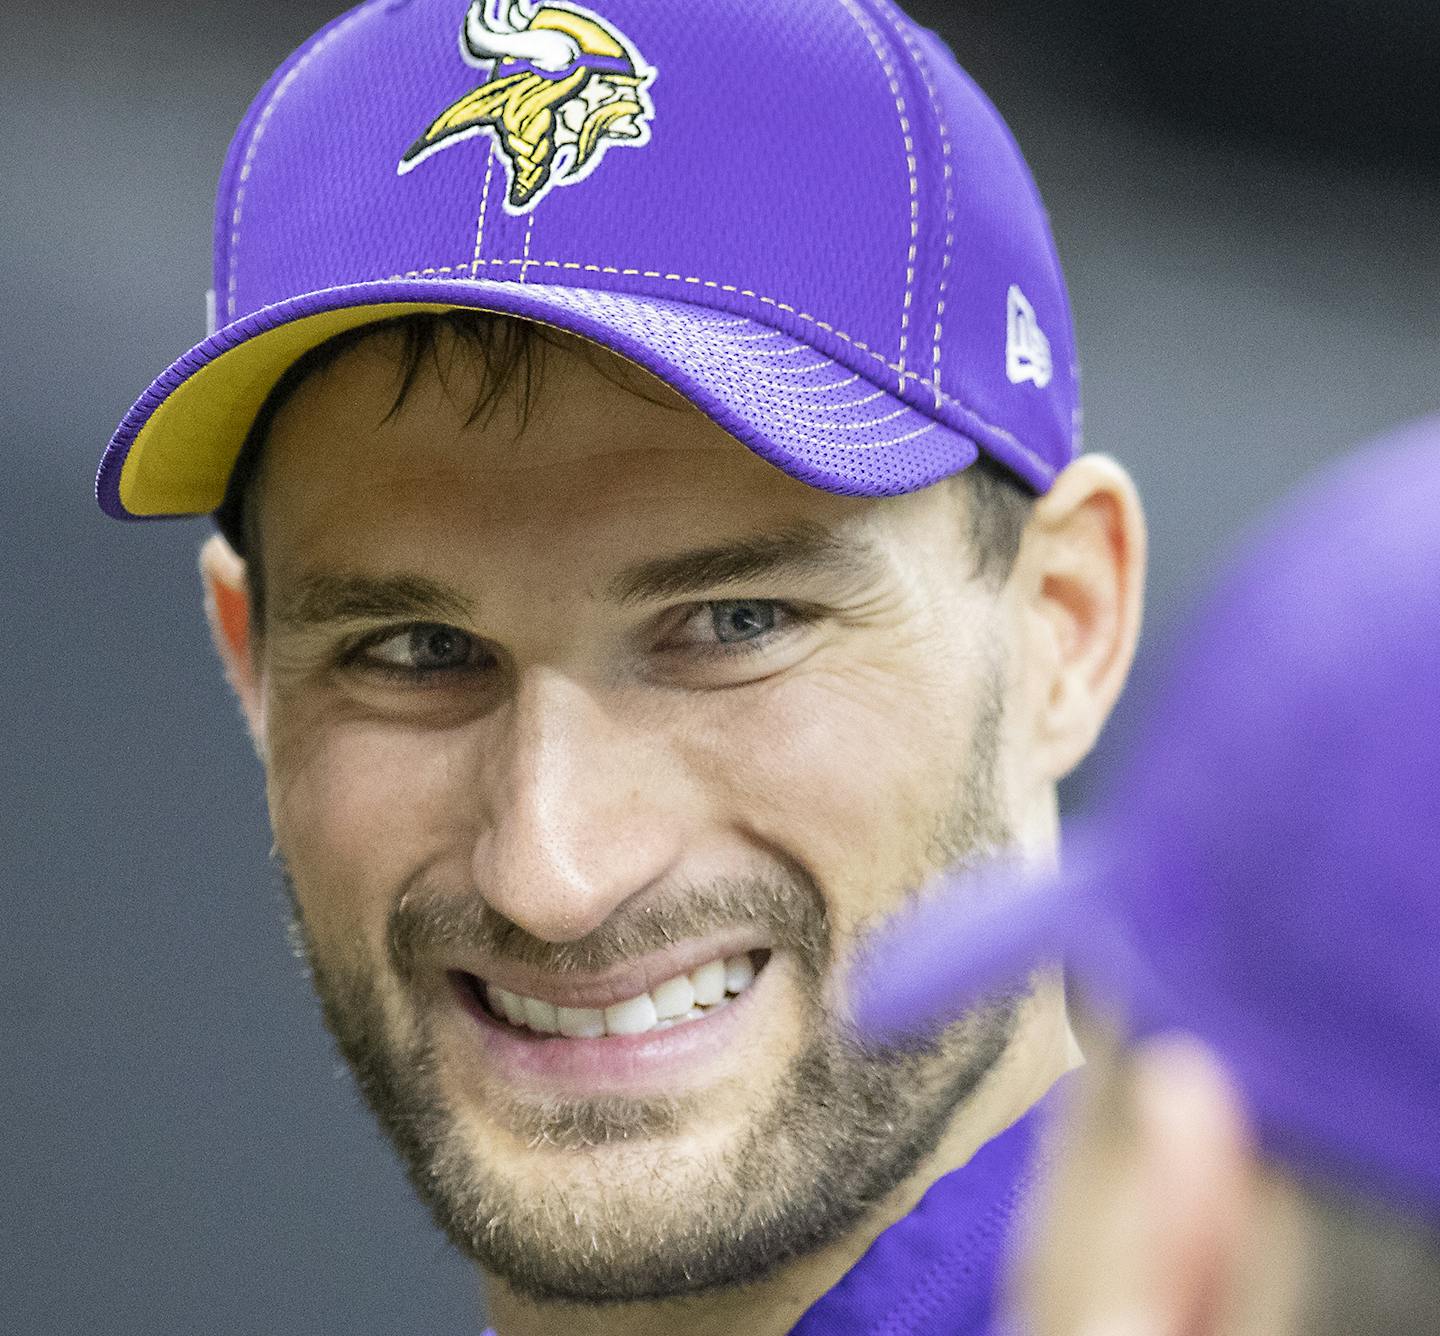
641	571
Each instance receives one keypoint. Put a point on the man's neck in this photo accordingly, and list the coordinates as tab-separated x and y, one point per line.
1042	1051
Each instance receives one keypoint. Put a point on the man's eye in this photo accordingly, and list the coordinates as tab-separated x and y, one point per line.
424	649
732	624
742	619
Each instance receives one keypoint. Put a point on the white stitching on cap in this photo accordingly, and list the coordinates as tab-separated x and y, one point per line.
526	261
799	370
898	440
877	44
922	61
258	133
880	421
826	389
855	403
484	207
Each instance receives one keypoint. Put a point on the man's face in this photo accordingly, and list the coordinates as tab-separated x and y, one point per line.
578	707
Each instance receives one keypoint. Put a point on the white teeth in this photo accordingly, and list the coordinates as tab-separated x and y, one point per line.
686	997
581	1022
709	983
674	997
512	1007
632	1017
540	1016
739	974
694	1014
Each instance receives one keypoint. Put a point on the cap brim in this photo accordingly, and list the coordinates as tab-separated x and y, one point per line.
973	932
795	407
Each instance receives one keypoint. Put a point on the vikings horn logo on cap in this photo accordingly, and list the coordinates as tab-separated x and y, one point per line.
564	86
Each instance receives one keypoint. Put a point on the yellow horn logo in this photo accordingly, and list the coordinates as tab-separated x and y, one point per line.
563	87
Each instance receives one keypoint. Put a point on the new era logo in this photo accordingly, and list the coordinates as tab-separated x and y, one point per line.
1027	350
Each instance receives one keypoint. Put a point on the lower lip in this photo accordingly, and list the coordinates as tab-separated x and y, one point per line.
615	1063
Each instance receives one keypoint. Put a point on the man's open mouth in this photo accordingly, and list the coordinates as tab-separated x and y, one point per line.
686	997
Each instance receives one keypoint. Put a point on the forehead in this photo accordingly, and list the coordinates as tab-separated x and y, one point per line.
598	458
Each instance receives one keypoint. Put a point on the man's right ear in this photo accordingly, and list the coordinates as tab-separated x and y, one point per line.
230	613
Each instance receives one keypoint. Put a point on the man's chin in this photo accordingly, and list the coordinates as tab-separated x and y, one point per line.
610	1201
606	1151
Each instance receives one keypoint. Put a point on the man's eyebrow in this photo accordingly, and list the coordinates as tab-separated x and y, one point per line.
323	599
803	549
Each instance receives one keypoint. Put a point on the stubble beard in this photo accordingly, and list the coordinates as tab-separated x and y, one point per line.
843	1126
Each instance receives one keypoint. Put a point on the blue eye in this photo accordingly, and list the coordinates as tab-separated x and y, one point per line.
425	648
742	619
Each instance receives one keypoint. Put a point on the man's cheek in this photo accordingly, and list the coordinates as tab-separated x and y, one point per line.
347	810
849	773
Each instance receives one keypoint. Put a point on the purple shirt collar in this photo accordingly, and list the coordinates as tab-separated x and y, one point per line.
936	1271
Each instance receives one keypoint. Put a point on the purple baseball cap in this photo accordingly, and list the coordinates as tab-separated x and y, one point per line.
801	215
1266	871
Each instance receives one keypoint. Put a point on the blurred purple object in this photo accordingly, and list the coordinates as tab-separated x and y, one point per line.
968	931
1266	871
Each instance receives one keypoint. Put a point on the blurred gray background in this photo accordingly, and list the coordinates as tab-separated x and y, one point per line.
1247	199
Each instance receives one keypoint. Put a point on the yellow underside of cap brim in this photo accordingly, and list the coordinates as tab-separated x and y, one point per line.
181	459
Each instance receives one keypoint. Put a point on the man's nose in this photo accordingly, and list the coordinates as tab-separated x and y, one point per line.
586	810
